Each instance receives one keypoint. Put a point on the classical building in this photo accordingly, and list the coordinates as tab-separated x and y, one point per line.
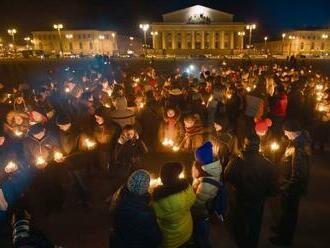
197	30
129	45
304	42
86	42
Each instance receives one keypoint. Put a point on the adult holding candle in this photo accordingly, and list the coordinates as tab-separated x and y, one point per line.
293	181
248	195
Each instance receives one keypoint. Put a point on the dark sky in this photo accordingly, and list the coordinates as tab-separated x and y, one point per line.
272	16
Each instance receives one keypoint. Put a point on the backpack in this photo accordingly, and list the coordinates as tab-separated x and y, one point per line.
218	204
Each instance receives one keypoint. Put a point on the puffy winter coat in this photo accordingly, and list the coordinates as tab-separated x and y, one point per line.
205	192
134	221
280	105
173	215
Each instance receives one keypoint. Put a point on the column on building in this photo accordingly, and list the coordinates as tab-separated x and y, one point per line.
183	39
222	40
173	36
154	41
212	40
193	39
203	40
163	40
232	40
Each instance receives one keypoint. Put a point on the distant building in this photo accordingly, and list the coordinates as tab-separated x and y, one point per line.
304	42
129	45
197	30
86	42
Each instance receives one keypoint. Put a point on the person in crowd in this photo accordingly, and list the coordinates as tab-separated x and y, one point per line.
278	109
106	132
194	133
134	220
122	115
250	179
171	128
224	140
172	202
206	183
293	181
129	149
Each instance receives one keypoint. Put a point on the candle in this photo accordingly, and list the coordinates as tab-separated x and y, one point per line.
248	89
67	90
175	148
154	182
58	156
90	144
11	167
40	161
319	87
18	133
168	142
274	146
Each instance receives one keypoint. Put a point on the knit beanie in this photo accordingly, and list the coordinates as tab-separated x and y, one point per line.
138	182
262	126
204	154
170	172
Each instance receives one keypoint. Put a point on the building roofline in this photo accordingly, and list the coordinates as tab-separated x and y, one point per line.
197	5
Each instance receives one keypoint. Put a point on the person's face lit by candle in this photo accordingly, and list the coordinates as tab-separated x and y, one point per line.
189	122
99	120
19	100
18	119
130	134
217	127
170	113
40	135
64	127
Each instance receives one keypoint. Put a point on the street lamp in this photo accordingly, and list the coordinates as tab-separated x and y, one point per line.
101	38
58	27
324	36
27	39
145	28
154	34
251	27
265	39
283	37
12	33
291	38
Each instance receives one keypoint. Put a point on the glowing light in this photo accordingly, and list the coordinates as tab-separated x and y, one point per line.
175	148
40	161
248	89
67	90
167	142
58	156
192	67
274	146
18	133
11	167
319	87
210	98
90	144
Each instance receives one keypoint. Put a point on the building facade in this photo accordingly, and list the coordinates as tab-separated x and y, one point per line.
197	30
85	42
129	45
300	42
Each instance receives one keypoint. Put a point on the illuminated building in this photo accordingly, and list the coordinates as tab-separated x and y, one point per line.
197	30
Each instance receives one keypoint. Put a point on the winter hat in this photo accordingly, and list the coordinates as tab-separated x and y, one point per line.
262	126
170	172
37	128
292	126
138	182
121	103
63	119
204	154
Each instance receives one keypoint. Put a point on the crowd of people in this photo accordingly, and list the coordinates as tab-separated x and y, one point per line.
251	129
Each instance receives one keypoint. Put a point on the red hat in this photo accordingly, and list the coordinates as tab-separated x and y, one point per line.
262	126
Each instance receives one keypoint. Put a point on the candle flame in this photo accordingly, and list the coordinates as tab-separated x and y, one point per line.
11	167
90	144
274	146
58	156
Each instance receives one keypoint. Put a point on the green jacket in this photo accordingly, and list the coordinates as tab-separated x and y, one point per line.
174	217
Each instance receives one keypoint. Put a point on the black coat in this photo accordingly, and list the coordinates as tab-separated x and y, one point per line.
134	222
253	177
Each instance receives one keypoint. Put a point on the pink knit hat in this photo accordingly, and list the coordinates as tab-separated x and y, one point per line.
262	126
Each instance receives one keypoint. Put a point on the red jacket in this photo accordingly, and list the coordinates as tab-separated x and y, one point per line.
280	105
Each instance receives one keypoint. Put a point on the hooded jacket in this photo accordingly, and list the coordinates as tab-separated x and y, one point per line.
172	207
205	192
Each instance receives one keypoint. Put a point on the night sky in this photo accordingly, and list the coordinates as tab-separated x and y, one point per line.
272	17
